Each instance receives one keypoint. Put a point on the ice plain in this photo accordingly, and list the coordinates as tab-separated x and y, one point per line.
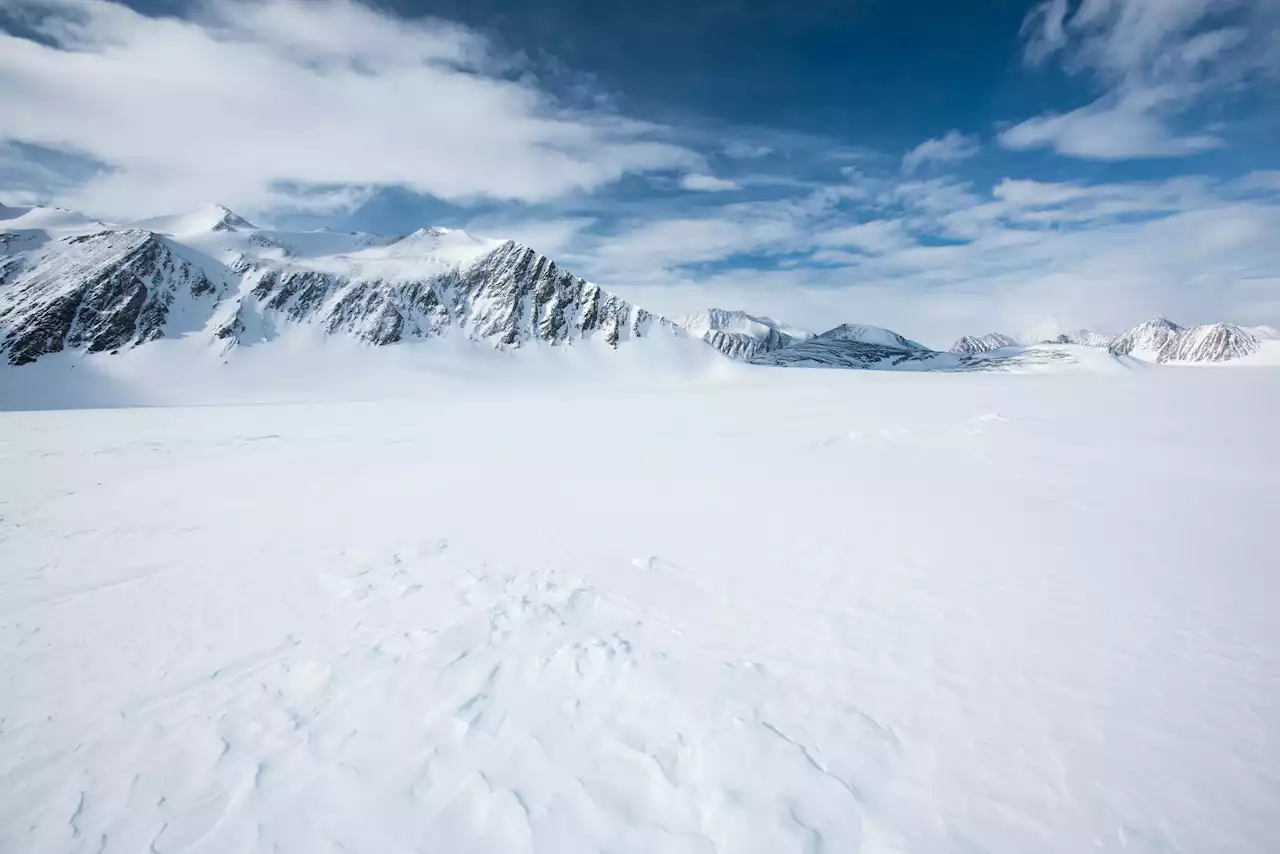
769	610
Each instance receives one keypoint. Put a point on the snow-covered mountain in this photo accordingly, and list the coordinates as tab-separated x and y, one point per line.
971	345
1052	332
67	282
1162	340
1146	340
739	335
856	346
1082	337
874	348
71	282
98	291
872	335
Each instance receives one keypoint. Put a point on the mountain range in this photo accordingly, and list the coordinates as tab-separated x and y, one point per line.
68	282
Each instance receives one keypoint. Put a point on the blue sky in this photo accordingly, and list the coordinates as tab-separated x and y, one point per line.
937	167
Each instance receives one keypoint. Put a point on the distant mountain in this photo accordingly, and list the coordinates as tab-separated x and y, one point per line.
67	282
873	348
853	346
739	335
1053	332
206	218
1146	340
1162	340
1082	337
873	335
971	345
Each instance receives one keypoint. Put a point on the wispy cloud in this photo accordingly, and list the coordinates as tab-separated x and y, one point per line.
706	183
247	95
746	150
940	258
1156	59
949	148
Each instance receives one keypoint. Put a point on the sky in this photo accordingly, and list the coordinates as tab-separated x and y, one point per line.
940	168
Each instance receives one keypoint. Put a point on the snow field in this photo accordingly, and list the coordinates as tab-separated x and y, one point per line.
802	611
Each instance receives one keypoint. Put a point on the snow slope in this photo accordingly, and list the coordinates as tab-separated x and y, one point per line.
740	335
1053	332
874	335
67	283
971	345
790	611
1162	340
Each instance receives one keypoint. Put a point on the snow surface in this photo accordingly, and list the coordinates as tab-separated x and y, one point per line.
758	611
56	221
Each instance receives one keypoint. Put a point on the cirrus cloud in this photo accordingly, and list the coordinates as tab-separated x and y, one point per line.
949	148
1156	60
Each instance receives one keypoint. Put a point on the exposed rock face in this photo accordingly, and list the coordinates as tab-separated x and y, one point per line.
857	333
109	289
971	345
508	297
852	346
1161	340
1081	337
739	335
69	282
1214	342
95	292
1146	340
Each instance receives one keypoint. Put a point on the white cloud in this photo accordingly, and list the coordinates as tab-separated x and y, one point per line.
949	148
1044	30
706	183
877	236
1107	129
1155	59
248	95
946	259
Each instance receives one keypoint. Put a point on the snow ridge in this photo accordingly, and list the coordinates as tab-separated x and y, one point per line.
97	292
101	289
739	335
971	345
71	283
1162	340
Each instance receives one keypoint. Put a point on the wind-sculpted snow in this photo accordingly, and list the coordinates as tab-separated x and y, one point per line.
837	611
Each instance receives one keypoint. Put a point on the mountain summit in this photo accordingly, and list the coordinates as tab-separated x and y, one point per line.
1162	340
739	335
210	271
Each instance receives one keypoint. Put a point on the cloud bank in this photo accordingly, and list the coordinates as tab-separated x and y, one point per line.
248	96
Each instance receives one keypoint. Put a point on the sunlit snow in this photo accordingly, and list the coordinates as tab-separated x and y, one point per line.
517	607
